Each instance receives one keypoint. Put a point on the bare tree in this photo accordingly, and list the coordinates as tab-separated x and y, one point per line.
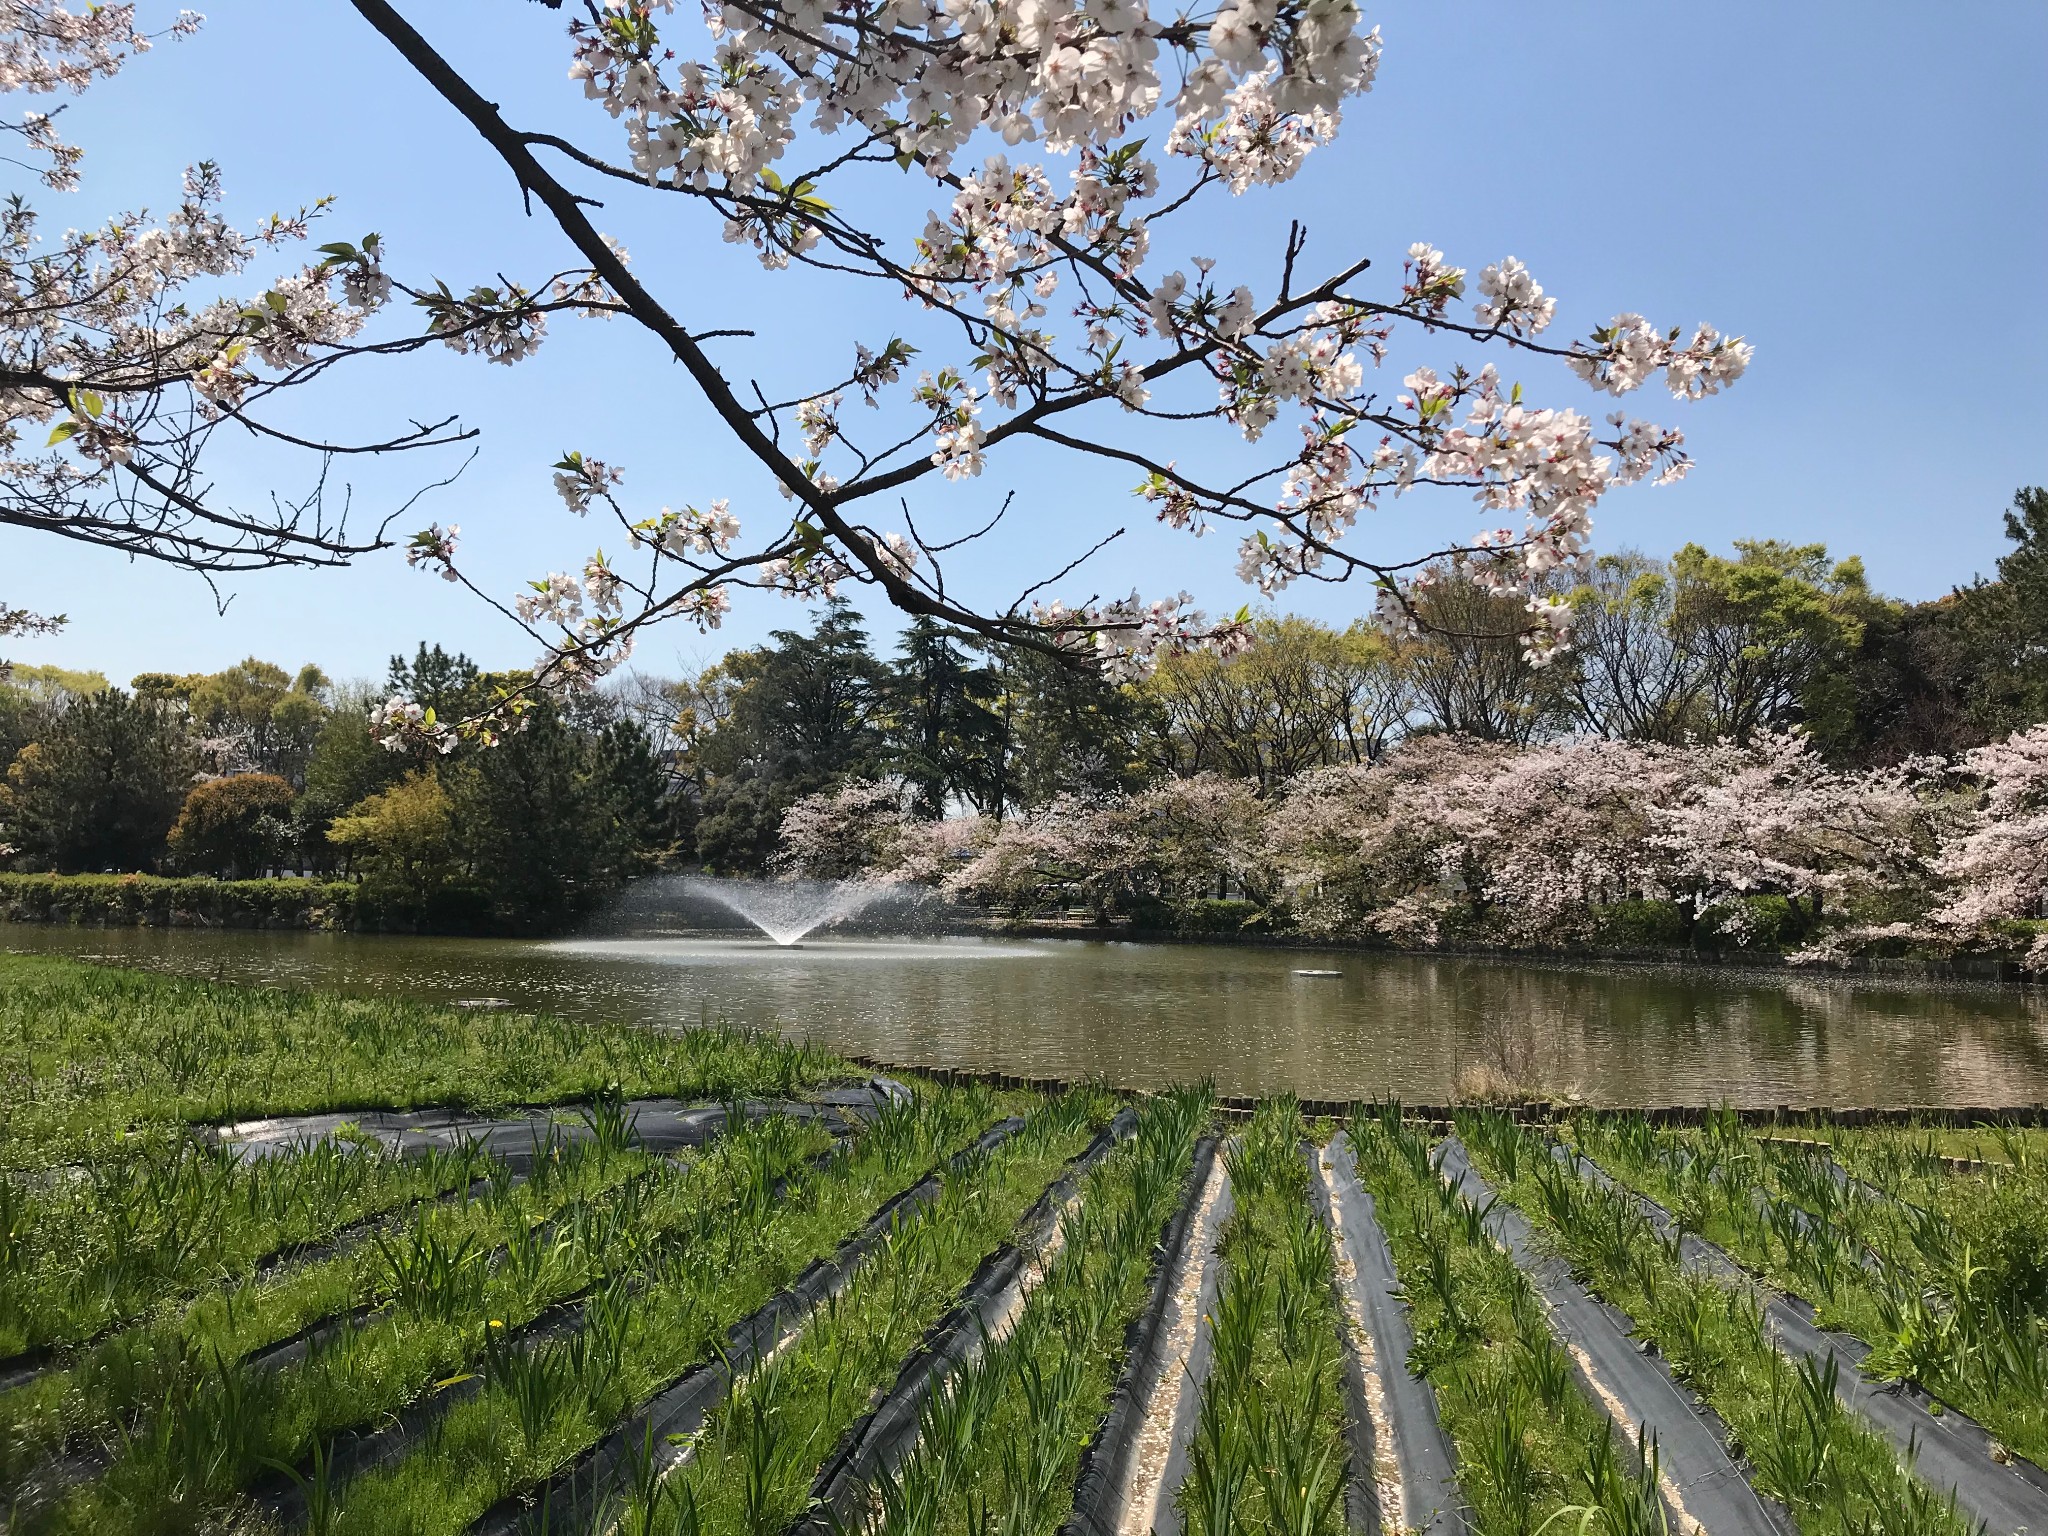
1470	676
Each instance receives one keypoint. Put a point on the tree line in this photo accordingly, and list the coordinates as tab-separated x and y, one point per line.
254	769
1700	647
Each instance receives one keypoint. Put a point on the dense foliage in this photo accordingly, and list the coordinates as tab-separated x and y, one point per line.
254	772
1710	768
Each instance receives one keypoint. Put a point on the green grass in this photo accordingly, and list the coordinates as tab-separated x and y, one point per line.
1949	1288
752	1467
537	1413
1533	1452
82	1253
1835	1474
1269	1452
220	1424
1883	1154
89	1054
1000	1445
93	1398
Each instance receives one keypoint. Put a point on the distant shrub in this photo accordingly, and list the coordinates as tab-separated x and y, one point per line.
157	902
1640	924
238	825
1219	917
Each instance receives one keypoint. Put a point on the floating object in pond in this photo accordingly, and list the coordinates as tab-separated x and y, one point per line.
483	1002
1319	973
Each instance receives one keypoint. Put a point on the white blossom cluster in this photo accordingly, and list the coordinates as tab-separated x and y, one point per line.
580	481
725	114
1628	350
1511	300
505	327
1128	635
434	547
100	314
403	725
44	47
690	532
1263	80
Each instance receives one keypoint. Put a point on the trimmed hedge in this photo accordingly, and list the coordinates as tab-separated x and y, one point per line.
154	901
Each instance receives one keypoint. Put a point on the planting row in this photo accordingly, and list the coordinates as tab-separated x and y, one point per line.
918	1327
1940	1273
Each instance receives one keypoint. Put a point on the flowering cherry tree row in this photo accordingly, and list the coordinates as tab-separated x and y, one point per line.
1448	838
1055	288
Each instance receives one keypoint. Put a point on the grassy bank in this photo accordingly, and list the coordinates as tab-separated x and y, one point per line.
98	1060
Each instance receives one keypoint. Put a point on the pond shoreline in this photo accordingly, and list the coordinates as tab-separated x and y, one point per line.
2002	970
302	913
1535	1111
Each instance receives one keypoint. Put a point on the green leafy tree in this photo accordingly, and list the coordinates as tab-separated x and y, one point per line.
51	684
1303	695
101	787
1760	627
1468	670
2005	623
1067	731
401	840
346	765
238	826
1627	676
944	730
450	685
1949	675
554	817
251	717
803	713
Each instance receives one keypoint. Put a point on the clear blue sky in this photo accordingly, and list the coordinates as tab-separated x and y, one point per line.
1859	189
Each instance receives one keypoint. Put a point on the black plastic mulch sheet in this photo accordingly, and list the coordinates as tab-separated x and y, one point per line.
660	1125
654	1440
885	1438
1950	1452
1701	1485
1423	1463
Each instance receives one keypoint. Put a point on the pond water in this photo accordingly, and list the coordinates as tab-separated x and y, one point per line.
1146	1015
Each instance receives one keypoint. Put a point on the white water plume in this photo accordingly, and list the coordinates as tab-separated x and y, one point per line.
786	910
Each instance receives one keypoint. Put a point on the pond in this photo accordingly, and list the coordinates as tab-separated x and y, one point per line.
1151	1014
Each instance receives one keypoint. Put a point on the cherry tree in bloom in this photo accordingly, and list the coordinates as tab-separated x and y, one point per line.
1528	847
1994	863
1054	293
844	833
1771	818
865	830
1380	847
1560	831
1447	838
1182	840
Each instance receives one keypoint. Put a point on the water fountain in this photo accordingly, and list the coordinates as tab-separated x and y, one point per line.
786	910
